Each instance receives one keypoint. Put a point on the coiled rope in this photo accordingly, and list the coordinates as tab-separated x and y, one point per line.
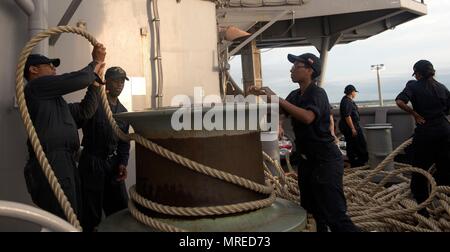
381	207
378	207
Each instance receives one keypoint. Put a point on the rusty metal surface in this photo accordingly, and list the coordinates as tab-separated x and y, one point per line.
166	182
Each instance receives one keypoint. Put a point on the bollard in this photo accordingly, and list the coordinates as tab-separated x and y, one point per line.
379	145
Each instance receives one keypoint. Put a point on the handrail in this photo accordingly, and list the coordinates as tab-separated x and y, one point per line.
35	215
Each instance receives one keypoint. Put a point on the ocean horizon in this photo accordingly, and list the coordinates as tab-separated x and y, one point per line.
391	86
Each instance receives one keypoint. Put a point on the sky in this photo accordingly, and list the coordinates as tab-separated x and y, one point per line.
426	37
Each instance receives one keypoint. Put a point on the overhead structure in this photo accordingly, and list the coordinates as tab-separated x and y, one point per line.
318	23
307	22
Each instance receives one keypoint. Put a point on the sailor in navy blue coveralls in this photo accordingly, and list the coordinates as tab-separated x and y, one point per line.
431	143
349	126
56	124
104	158
321	165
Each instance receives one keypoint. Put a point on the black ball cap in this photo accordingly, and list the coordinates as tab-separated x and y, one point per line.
116	72
308	59
38	59
349	89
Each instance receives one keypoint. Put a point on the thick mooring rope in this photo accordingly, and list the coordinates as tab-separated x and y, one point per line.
384	206
200	168
372	206
389	208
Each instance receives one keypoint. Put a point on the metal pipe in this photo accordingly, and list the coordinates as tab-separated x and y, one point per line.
380	97
38	23
26	5
324	58
37	11
378	68
158	58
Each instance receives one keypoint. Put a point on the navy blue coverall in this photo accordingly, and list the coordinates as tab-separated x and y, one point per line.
356	145
56	124
321	166
103	152
431	142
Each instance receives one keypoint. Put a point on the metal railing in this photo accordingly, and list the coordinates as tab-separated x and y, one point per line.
48	221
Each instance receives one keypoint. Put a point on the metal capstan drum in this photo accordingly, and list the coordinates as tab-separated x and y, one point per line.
234	146
223	137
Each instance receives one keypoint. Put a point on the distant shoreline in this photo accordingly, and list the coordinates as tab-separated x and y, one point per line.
371	103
